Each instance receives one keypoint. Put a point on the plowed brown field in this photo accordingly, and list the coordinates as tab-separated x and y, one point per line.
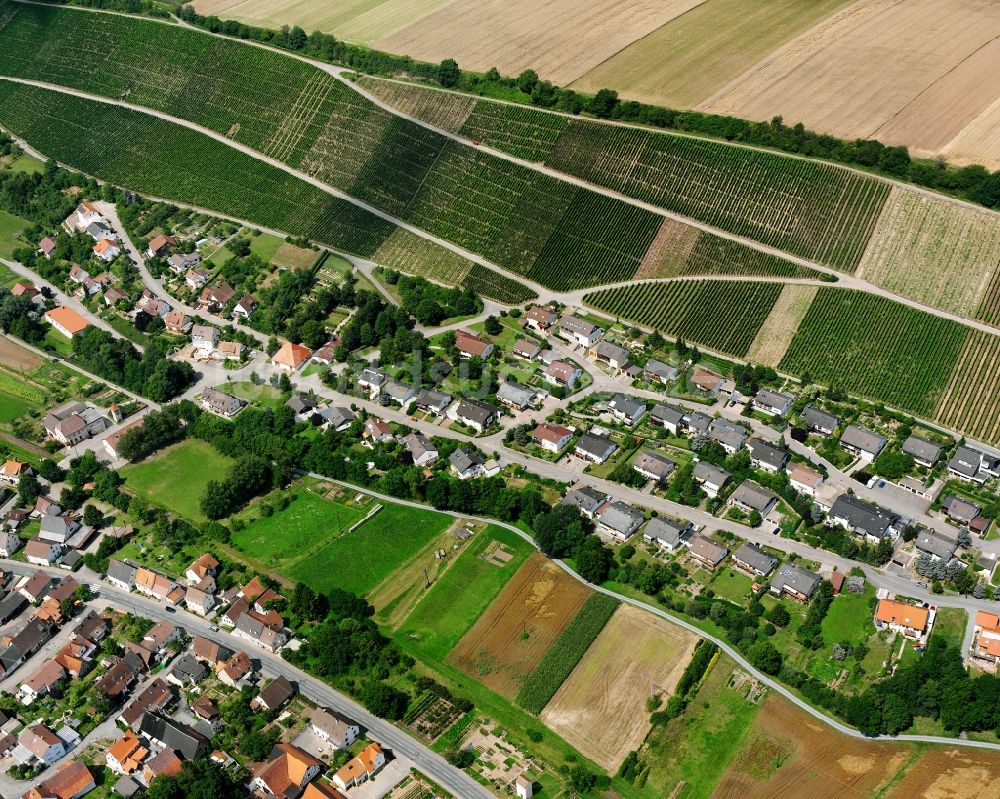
951	774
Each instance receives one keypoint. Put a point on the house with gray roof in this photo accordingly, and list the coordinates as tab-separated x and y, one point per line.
466	463
594	448
579	331
420	448
730	435
609	353
186	741
121	574
653	465
707	551
666	534
516	396
435	402
766	456
619	519
711	478
338	417
697	422
750	496
751	558
862	441
819	421
226	405
475	414
772	403
397	392
937	546
794	581
973	464
925	453
58	529
586	499
669	417
627	409
659	371
861	517
371	380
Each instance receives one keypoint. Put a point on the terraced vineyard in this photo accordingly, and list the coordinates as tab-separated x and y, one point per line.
701	311
155	157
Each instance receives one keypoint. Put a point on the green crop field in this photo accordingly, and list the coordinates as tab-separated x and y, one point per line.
460	596
876	348
176	478
701	311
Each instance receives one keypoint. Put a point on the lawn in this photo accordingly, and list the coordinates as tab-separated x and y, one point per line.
10	226
460	596
265	395
27	164
265	245
732	585
59	343
12	407
308	541
950	624
176	477
849	618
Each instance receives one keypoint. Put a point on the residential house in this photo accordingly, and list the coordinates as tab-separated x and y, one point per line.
794	581
579	331
160	246
122	574
429	401
729	435
273	695
38	743
619	519
562	373
751	496
206	710
152	305
986	636
371	380
166	763
179	263
58	529
586	499
126	755
107	250
76	656
766	456
361	768
959	510
203	566
121	675
235	672
85	215
466	463
711	478
337	417
157	585
246	306
70	781
754	560
42	553
215	298
609	353
816	420
935	545
973	464
470	345
539	318
210	651
666	534
399	393
653	465
187	671
707	381
115	295
659	372
78	274
423	452
862	442
195	278
66	321
170	734
198	600
35	587
286	772
475	414
706	551
113	440
265	630
861	517
377	430
290	357
326	354
594	448
551	437
204	339
925	453
10	542
772	403
47	679
804	480
12	472
334	728
176	322
47	247
24	290
516	396
526	348
669	417
696	423
220	403
628	410
910	620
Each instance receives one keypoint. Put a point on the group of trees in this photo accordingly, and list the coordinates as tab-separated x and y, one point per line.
376	322
151	373
430	303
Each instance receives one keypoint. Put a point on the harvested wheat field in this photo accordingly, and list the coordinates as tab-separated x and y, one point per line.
852	74
979	141
507	641
937	252
781	325
559	39
687	60
970	402
951	774
14	356
788	753
601	708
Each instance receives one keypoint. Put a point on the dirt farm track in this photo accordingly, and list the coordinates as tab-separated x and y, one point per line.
914	72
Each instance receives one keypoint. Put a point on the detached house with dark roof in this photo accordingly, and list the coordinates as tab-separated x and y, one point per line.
579	331
666	534
619	519
653	466
925	453
765	456
585	499
729	435
751	496
861	517
609	353
862	442
628	410
772	403
973	464
466	463
475	414
754	560
817	420
794	581
594	448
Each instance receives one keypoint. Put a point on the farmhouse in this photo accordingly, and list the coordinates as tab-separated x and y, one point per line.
74	422
526	349
794	581
594	448
466	463
551	437
711	478
730	435
973	464
475	414
925	453
539	318
607	352
516	396
986	642
804	480
666	534
619	519
861	517
586	499
935	545
817	420
862	442
469	345
65	320
765	456
750	496
669	417
653	466
420	448
562	373
707	551
220	403
754	560
579	331
910	620
337	730
290	357
627	409
658	371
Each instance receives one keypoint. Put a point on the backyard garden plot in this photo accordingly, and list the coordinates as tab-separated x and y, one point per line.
507	641
935	251
724	316
601	708
970	401
778	330
877	348
444	110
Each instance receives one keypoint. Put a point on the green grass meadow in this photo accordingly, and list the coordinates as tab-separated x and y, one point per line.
10	226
